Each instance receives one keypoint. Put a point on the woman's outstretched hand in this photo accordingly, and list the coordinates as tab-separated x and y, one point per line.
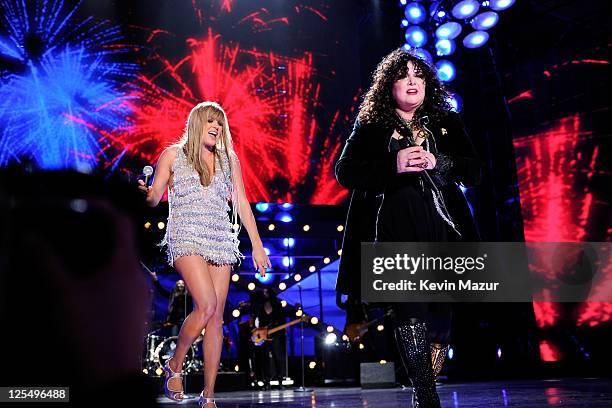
261	260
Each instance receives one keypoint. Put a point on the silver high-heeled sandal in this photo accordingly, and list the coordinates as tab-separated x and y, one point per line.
172	394
204	400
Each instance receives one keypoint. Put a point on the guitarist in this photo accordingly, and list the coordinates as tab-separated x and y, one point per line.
270	356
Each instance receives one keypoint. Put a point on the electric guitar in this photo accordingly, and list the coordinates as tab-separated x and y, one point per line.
260	335
355	331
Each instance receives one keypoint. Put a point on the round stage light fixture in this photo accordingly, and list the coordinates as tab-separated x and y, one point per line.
415	36
499	5
330	338
262	207
448	30
423	54
476	39
465	9
415	12
445	47
456	102
485	20
446	70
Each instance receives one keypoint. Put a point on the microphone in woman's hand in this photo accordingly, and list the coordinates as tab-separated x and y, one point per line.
147	171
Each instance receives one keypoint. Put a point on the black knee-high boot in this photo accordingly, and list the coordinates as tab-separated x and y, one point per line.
414	349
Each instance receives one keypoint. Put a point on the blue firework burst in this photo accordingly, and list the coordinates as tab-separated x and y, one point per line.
62	87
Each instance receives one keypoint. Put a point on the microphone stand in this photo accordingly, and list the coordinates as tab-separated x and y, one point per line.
302	388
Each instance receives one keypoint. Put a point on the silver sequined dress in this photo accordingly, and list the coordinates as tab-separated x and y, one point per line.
198	219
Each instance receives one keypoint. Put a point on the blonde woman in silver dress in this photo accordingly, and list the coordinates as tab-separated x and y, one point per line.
202	174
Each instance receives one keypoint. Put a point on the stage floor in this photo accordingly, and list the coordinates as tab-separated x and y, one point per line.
574	392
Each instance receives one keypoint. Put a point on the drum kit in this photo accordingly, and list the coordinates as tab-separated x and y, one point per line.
159	349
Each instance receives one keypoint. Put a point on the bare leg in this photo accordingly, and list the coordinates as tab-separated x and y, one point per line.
195	272
213	338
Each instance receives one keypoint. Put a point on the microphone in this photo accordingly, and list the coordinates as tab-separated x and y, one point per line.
147	171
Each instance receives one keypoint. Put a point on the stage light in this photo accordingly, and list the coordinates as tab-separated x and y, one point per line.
262	207
445	47
380	327
288	261
330	338
451	353
236	368
446	70
312	268
306	228
314	320
499	352
147	225
236	313
345	337
361	346
312	365
297	277
499	5
415	12
383	361
485	20
475	39
161	225
284	217
423	54
340	228
159	371
456	102
299	313
271	227
416	36
283	303
251	286
441	14
145	371
465	9
282	286
235	277
326	260
288	242
267	251
404	23
449	30
263	279
260	383
403	2
286	206
340	252
330	329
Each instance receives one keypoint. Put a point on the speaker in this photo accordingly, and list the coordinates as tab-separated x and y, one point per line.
377	375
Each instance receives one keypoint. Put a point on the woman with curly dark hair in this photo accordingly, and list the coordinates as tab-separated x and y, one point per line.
403	162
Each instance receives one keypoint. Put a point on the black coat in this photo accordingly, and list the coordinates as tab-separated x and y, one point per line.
366	166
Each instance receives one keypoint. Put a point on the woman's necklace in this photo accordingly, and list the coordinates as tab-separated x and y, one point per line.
415	128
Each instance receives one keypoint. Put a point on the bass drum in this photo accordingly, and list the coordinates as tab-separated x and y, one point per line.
165	351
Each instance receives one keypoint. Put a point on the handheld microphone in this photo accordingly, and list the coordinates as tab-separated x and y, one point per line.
147	171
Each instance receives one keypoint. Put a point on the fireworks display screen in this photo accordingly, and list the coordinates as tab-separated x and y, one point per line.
109	86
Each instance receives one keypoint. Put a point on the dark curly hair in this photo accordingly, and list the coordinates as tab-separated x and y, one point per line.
378	104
